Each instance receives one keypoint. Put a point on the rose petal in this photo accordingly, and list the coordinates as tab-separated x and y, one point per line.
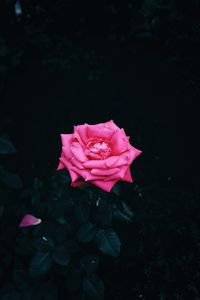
134	153
66	143
91	177
66	139
127	176
119	175
66	151
76	163
85	174
82	131
123	160
78	183
74	176
96	163
99	131
105	185
60	166
104	172
119	142
111	161
77	151
76	137
29	220
81	172
122	172
111	125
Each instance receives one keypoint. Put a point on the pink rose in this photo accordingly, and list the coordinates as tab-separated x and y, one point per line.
100	154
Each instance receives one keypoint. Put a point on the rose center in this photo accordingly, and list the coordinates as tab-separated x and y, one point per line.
97	148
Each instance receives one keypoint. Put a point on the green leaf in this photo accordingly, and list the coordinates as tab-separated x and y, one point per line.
127	210
89	263
122	217
108	242
12	180
123	212
93	287
40	263
61	256
116	189
6	147
86	233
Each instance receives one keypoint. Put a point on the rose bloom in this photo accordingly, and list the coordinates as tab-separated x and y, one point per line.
100	154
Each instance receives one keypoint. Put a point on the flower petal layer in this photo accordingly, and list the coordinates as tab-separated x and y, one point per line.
119	142
78	152
104	172
105	185
100	131
82	131
74	175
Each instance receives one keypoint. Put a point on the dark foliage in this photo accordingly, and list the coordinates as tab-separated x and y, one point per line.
75	231
64	255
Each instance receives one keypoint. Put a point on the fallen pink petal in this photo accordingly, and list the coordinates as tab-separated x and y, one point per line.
29	220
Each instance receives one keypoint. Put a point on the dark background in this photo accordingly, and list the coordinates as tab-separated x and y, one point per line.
64	63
